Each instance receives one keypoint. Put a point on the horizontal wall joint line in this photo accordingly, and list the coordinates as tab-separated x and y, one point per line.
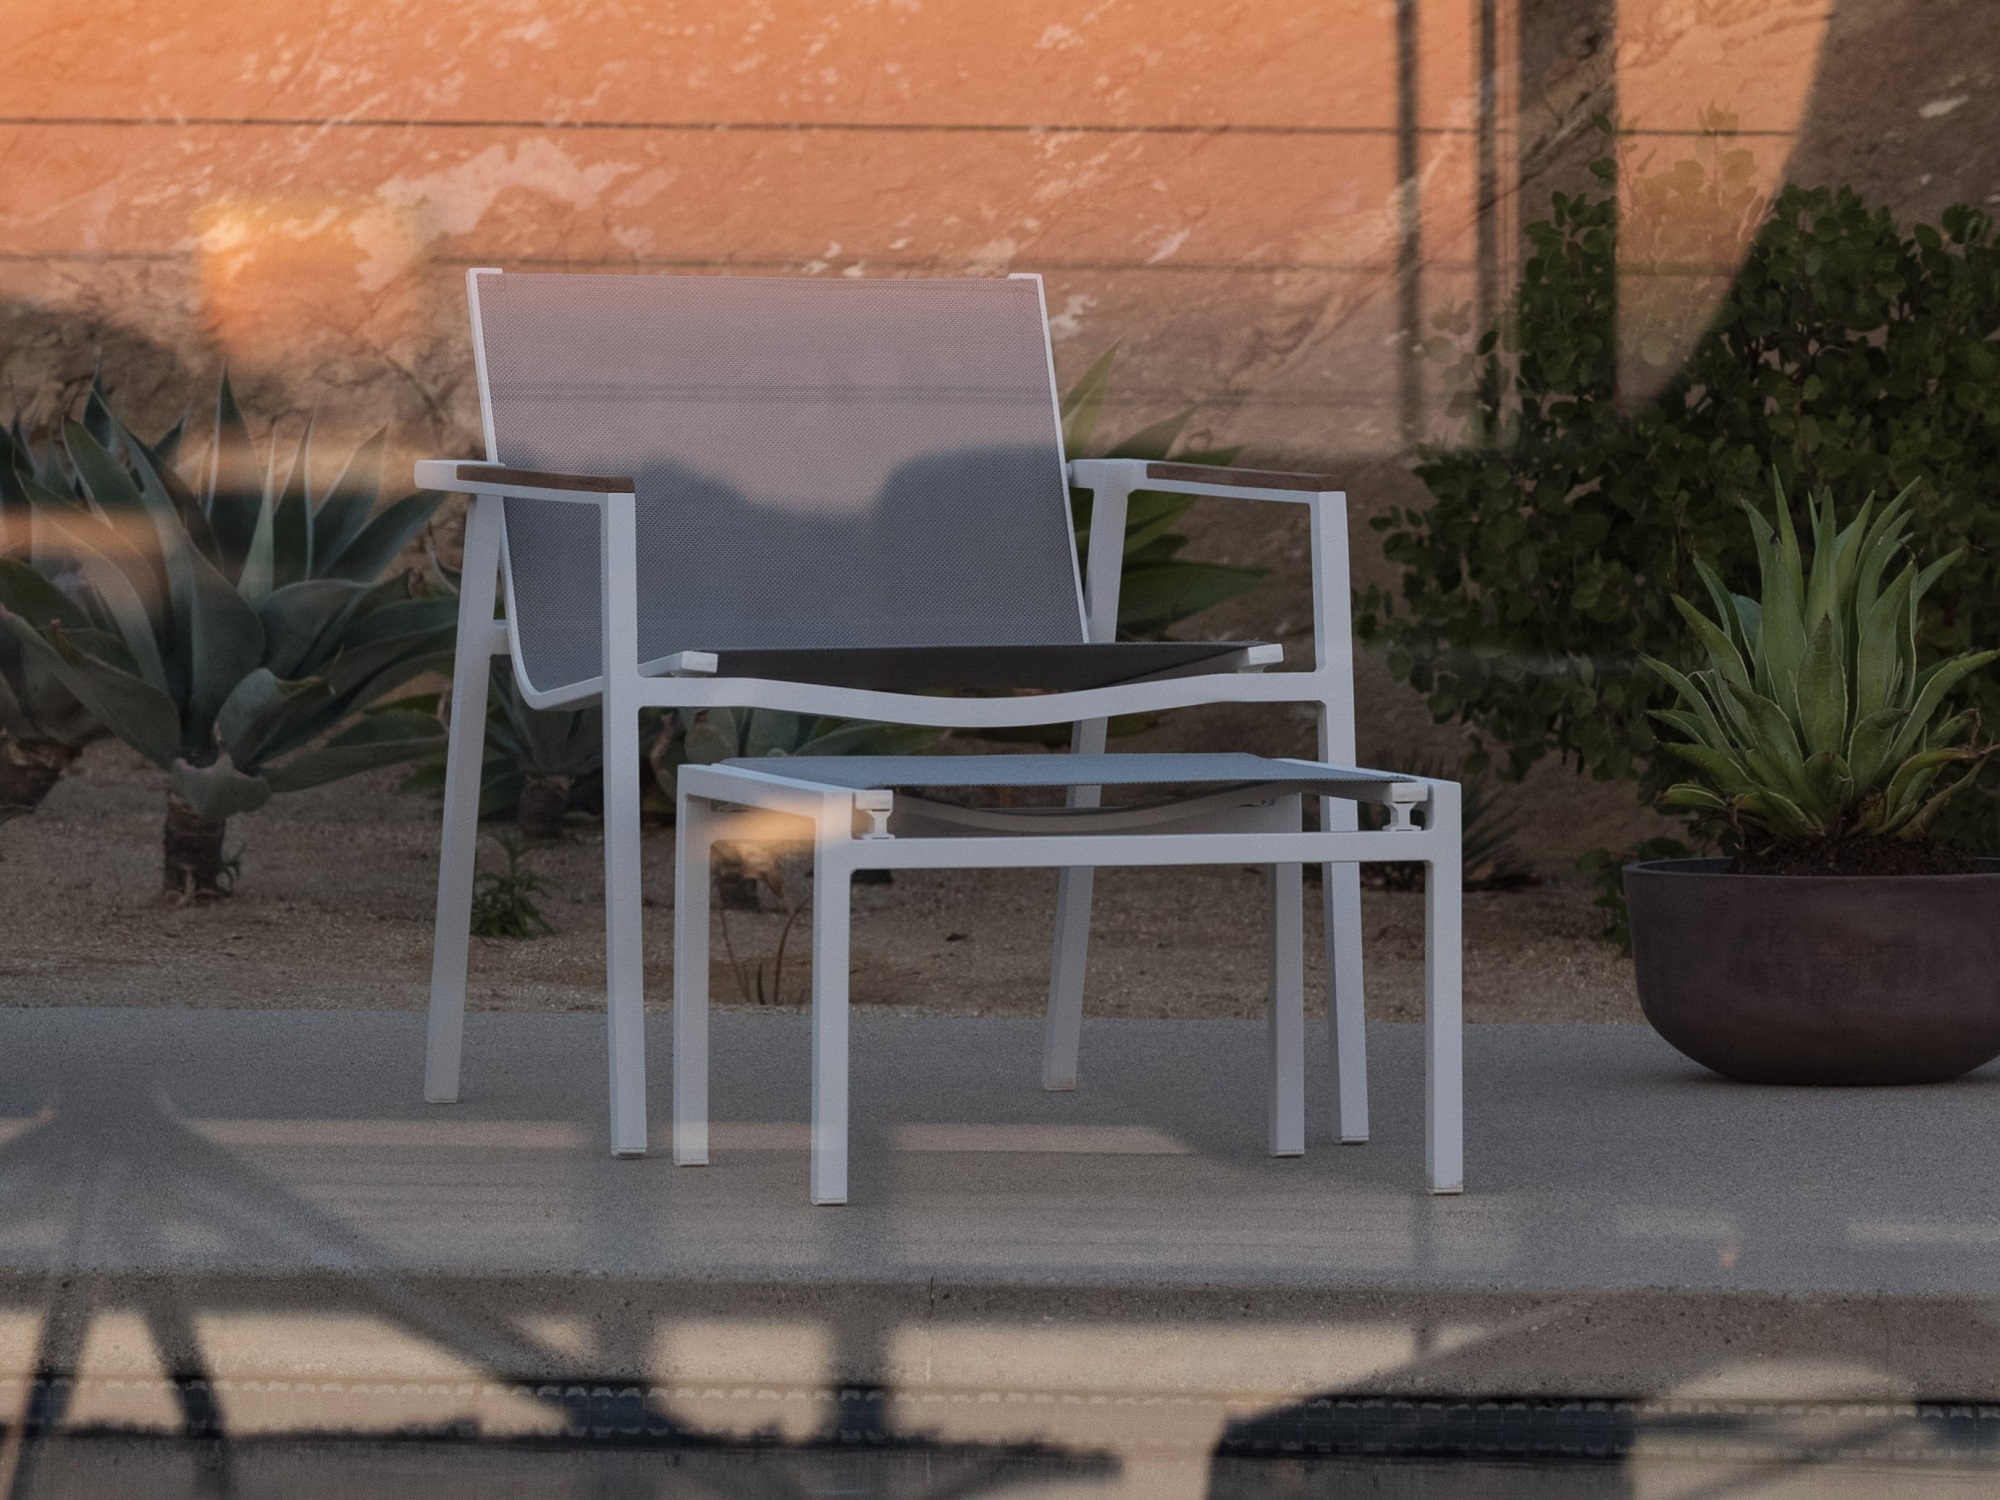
775	127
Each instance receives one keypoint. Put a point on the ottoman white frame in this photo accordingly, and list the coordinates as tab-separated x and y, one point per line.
857	829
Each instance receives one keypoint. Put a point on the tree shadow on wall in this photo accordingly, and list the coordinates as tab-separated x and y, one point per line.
49	356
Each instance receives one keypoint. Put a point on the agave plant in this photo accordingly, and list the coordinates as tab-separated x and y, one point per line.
538	763
1812	722
1157	587
42	727
546	756
224	629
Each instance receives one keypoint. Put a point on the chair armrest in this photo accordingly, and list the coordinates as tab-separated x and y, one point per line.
528	484
1200	479
1113	481
1239	479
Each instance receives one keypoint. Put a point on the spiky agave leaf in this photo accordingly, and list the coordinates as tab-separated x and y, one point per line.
34	705
232	627
1158	587
1811	720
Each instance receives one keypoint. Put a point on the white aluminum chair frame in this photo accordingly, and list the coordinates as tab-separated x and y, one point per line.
858	830
625	688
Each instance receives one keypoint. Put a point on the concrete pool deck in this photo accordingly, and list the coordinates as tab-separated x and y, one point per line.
258	1204
1597	1158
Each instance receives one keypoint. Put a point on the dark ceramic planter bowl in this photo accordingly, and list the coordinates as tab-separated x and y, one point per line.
1819	979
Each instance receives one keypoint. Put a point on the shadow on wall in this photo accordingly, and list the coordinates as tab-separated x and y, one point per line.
48	358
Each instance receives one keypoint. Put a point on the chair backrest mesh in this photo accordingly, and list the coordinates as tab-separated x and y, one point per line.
819	463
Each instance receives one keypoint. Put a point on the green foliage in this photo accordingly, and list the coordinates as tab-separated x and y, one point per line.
503	901
533	742
223	627
521	741
1846	352
1157	587
1812	719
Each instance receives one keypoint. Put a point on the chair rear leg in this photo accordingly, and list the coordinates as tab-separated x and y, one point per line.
1286	1013
1346	1009
458	848
624	934
1062	1031
694	844
830	920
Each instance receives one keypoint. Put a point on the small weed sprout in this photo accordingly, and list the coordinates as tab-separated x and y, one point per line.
503	902
761	866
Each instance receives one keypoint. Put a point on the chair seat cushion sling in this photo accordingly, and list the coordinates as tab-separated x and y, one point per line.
1051	668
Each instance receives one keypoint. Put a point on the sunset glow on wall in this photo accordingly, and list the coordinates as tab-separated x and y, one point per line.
1266	206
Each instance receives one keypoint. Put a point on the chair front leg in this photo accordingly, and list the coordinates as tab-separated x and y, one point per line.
1062	1031
1444	1031
1346	1007
1286	1010
465	755
694	824
832	879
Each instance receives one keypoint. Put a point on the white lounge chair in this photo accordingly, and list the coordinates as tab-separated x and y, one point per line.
849	498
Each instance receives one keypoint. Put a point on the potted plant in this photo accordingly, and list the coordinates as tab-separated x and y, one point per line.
1837	943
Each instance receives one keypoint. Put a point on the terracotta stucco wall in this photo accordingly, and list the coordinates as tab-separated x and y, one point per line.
1259	201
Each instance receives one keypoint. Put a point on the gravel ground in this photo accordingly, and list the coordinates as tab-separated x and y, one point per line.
334	909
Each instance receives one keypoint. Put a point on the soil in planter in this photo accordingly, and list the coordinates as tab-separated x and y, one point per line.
1854	857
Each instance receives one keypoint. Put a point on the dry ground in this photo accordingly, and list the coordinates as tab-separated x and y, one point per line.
335	910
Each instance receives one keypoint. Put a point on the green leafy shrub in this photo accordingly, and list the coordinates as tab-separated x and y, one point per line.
225	628
1812	729
1541	573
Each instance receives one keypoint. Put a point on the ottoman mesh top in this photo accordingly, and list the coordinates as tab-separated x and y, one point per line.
867	772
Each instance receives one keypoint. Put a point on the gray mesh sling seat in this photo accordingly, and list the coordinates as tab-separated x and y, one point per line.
843	498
